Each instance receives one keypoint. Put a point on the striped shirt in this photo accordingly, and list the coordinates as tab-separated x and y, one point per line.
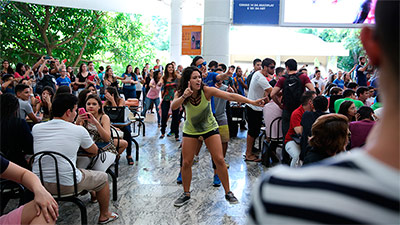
351	188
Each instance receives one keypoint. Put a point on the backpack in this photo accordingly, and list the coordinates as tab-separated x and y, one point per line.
292	91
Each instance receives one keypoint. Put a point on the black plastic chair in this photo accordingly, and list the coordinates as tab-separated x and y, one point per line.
72	197
271	143
10	190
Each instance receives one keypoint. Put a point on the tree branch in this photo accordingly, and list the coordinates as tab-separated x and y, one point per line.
25	49
27	13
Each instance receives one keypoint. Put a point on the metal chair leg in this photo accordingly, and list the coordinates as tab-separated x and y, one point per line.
137	148
114	184
82	208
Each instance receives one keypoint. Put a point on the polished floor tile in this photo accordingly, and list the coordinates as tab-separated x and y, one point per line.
148	189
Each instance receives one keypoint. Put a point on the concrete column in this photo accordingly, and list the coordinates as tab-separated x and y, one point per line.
176	31
278	60
216	30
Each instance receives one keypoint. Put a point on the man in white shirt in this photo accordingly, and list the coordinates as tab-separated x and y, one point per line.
318	79
61	135
352	188
259	88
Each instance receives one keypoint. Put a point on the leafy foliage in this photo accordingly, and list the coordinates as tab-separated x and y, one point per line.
160	40
350	38
30	31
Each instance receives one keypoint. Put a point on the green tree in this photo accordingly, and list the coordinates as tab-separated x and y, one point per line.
30	31
161	37
349	38
126	38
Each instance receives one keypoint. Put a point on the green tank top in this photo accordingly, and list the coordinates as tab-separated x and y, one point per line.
199	119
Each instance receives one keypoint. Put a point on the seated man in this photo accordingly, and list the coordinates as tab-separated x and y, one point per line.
25	109
348	95
45	139
292	146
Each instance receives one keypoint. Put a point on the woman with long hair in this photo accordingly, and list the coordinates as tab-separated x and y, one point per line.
6	68
98	125
170	83
153	95
129	79
329	137
139	84
200	122
109	79
348	109
81	77
46	98
113	99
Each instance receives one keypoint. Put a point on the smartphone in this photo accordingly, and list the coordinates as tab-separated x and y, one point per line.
47	57
82	111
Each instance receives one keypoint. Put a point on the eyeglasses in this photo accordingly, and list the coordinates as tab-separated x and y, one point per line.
201	65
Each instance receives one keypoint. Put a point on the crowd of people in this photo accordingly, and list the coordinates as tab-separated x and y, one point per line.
322	117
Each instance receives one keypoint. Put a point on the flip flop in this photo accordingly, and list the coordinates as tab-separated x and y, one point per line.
114	216
252	160
130	160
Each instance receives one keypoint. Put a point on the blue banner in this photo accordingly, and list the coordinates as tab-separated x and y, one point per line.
256	12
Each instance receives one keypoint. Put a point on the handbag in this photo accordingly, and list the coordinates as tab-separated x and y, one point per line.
116	114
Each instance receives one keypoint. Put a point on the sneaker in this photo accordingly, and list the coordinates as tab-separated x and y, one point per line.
179	179
230	197
217	181
170	134
183	199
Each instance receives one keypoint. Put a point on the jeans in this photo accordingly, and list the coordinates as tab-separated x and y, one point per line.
165	105
129	93
293	150
147	103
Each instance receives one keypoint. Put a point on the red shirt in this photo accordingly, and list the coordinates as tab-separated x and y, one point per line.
295	120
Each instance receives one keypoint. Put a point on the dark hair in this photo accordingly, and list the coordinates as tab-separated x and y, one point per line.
212	63
329	87
6	77
365	113
360	58
317	71
387	32
238	68
80	67
320	103
348	92
186	75
307	96
166	74
18	68
255	61
72	72
335	91
126	70
195	60
134	71
114	92
266	62
9	106
97	98
20	87
155	76
82	97
291	64
90	62
90	85
218	70
279	70
101	68
62	89
62	103
352	85
223	66
361	90
344	108
50	90
9	69
302	69
329	133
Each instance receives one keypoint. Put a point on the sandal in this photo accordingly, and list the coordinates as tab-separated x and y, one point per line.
130	160
114	216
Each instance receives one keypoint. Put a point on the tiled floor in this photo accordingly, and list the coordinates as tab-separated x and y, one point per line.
147	190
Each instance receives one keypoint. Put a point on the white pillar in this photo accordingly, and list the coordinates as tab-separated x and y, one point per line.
216	30
176	31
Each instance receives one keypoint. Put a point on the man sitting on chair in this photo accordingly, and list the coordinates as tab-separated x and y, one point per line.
47	137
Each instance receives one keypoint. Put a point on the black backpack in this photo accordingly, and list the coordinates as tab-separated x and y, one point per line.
292	91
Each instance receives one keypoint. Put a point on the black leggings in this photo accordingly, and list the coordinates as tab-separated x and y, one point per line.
165	105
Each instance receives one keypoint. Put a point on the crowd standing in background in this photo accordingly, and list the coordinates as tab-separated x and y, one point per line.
323	116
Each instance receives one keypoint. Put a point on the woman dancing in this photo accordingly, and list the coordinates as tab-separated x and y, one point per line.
195	97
